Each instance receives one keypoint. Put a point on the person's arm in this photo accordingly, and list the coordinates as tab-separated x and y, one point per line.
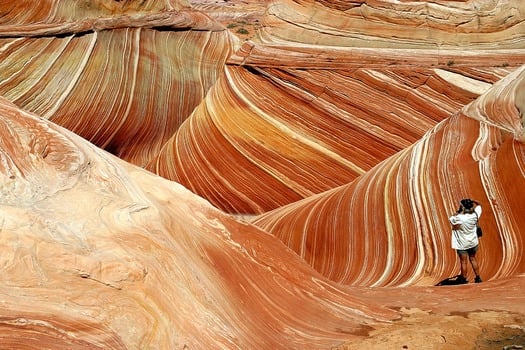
477	207
455	222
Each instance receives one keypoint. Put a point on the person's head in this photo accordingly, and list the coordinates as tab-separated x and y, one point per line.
467	205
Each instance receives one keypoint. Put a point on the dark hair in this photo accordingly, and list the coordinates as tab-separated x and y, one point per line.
467	203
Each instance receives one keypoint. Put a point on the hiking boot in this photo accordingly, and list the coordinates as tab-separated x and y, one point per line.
478	279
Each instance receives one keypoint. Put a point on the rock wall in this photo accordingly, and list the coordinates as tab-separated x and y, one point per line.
390	226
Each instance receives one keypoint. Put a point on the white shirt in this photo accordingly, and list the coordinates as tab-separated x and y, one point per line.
464	233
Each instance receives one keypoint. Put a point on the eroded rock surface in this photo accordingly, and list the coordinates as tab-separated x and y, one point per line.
348	130
97	253
138	69
295	114
390	226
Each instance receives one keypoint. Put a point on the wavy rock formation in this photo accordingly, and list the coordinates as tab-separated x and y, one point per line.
346	129
445	24
138	73
25	12
390	226
265	137
297	115
97	253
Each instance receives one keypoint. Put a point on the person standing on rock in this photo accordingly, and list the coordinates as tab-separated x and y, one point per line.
464	237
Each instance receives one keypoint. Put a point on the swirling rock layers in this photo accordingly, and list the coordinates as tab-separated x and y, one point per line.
147	264
139	75
390	226
397	24
344	118
269	136
296	114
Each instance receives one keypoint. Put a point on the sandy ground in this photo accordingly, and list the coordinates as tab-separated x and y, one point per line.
422	330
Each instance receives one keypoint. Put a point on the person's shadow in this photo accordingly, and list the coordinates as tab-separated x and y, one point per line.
452	281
